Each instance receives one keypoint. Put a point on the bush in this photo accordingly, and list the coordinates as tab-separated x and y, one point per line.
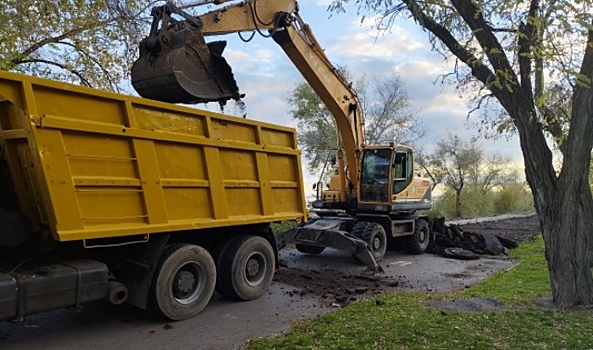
513	197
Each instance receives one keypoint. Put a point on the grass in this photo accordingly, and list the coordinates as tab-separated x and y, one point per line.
403	320
278	227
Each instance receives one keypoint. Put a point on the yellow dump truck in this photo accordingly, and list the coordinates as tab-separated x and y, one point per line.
111	196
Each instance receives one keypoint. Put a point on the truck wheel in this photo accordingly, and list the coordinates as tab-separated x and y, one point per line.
418	242
309	249
246	268
184	281
375	237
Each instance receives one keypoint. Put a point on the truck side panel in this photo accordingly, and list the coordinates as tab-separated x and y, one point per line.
89	164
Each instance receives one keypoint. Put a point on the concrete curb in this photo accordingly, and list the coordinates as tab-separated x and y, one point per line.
486	219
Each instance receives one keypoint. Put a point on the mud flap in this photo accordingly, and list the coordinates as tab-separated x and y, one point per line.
327	233
177	66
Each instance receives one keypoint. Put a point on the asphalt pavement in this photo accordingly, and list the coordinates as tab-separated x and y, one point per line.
227	324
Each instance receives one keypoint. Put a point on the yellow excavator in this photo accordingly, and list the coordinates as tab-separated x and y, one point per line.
374	198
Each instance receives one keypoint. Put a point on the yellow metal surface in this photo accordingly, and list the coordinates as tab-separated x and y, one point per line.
90	164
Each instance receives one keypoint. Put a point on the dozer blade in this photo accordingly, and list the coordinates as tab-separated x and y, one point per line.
327	233
178	66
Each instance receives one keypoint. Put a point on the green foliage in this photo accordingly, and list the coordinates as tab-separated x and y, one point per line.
91	42
509	198
316	131
476	203
444	205
402	320
279	227
514	197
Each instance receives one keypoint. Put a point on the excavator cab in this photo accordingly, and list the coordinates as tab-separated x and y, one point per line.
388	184
177	66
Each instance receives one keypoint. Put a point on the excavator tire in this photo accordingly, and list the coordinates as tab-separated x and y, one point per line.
374	235
418	242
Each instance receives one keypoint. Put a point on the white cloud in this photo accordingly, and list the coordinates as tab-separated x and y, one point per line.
250	60
363	42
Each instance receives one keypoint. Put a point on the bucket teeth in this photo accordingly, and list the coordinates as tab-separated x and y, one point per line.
177	66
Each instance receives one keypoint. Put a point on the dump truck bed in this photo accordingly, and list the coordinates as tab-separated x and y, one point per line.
85	164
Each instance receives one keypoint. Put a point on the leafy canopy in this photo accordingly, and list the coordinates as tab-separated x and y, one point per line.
91	42
550	34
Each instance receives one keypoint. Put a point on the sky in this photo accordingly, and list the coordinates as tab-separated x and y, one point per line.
265	74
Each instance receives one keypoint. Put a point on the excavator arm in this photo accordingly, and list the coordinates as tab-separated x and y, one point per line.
208	77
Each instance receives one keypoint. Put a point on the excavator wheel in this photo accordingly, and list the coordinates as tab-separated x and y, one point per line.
418	242
374	235
177	66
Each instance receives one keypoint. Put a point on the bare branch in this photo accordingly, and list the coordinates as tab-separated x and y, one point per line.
31	49
479	104
95	61
479	70
51	63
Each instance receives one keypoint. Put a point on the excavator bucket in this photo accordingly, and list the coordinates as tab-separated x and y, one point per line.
177	66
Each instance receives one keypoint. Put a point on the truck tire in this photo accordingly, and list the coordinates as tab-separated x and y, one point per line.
374	235
309	249
418	242
219	253
246	268
184	281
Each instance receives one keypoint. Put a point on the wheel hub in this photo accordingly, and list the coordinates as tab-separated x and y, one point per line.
422	236
184	282
376	243
252	268
188	283
255	269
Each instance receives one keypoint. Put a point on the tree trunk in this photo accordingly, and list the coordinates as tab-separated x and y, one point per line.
567	230
458	203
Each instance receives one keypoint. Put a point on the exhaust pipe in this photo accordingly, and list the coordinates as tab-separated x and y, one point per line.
117	292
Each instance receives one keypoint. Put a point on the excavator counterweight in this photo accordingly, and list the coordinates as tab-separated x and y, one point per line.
176	65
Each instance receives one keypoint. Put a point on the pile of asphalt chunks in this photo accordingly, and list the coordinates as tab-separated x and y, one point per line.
452	242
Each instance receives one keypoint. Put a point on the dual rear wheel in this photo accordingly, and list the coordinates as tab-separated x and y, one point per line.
186	276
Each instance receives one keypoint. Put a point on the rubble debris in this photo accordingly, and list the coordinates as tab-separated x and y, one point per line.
333	286
460	253
471	241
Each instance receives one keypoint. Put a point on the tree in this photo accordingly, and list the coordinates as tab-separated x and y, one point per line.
508	51
389	117
91	42
460	163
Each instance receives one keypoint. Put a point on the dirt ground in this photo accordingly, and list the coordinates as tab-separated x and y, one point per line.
335	288
517	229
